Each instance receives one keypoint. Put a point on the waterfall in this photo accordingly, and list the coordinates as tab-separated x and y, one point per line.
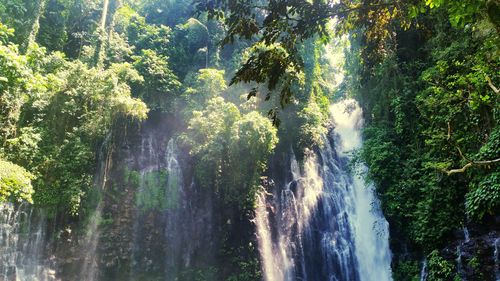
460	266
423	272
174	181
496	258
371	230
22	238
466	235
460	270
89	269
273	266
324	223
174	217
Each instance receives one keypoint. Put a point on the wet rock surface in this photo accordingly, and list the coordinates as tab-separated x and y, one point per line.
474	256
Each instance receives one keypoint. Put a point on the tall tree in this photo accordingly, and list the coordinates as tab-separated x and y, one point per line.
35	26
101	34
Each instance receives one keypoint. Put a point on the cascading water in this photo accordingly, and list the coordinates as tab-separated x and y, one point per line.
466	235
174	185
22	238
324	223
370	228
460	270
496	258
89	269
460	265
423	271
160	187
173	218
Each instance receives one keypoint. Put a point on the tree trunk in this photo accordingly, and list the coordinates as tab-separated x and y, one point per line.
117	5
104	14
35	27
101	33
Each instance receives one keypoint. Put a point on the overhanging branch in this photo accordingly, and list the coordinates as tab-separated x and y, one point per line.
471	164
495	89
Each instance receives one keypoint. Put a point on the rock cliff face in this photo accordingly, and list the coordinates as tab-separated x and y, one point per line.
151	221
147	221
156	222
475	252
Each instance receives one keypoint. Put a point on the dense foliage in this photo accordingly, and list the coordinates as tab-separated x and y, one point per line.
15	183
431	102
76	74
232	148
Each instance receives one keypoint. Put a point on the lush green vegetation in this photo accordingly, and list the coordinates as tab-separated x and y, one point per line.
15	183
426	73
55	115
74	74
431	102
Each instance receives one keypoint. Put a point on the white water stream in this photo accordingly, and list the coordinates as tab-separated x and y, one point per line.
22	239
325	223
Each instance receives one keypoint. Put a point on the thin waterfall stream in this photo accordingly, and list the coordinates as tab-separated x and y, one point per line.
496	258
89	269
22	241
325	223
423	271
